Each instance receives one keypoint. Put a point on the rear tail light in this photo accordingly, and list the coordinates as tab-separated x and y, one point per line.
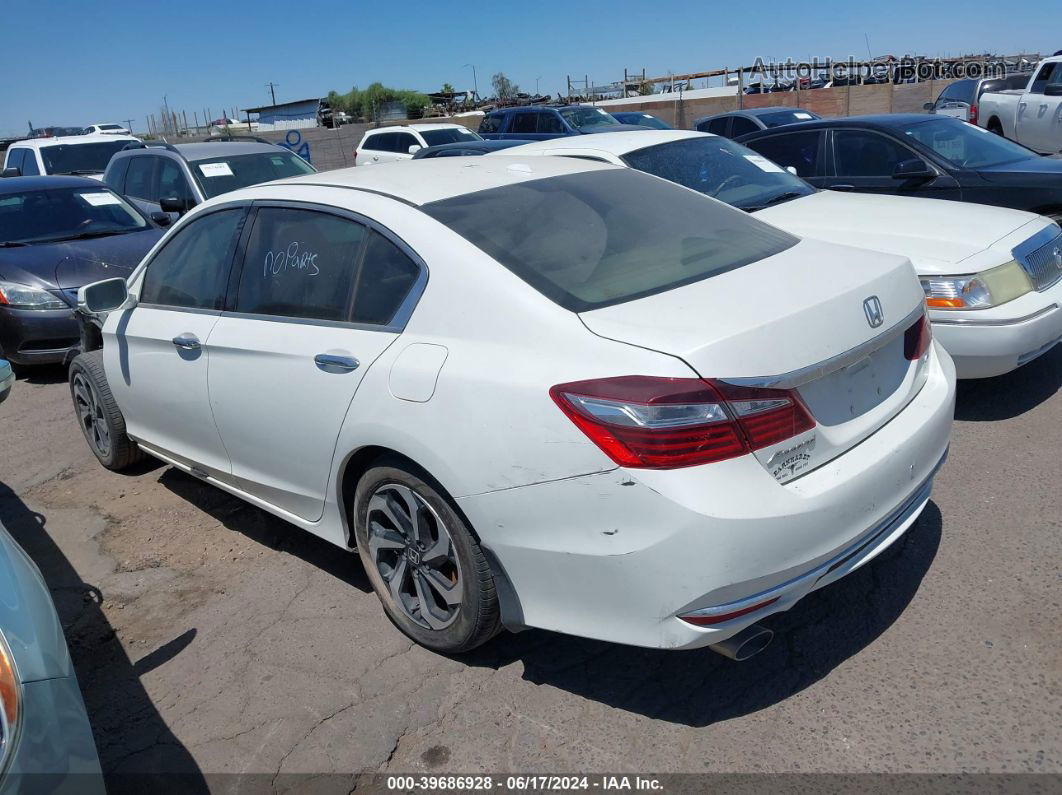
706	619
917	338
664	423
973	114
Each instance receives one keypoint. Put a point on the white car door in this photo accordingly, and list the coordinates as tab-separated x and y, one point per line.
156	354
1039	118
316	304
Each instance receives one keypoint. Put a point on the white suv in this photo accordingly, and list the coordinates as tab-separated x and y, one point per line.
532	392
387	144
80	155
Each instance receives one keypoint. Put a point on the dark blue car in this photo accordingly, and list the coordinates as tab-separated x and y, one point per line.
541	122
56	235
467	148
641	119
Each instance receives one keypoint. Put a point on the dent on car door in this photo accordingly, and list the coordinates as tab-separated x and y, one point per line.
157	355
314	307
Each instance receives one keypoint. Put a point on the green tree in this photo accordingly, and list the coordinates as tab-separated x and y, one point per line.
504	88
447	88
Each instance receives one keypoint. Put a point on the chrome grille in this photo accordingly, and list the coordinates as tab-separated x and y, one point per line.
1044	264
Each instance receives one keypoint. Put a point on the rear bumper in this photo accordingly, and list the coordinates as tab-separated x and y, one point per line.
991	342
620	555
37	337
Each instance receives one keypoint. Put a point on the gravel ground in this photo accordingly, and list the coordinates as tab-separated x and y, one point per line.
210	637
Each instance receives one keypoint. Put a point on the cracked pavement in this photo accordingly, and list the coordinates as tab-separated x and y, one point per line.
210	637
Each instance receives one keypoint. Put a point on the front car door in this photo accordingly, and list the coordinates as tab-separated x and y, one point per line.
173	184
321	295
156	354
141	185
1039	120
865	160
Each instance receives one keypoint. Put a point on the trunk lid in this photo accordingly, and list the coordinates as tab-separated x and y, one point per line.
797	321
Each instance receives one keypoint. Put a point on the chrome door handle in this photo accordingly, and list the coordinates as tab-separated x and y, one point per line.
328	361
188	342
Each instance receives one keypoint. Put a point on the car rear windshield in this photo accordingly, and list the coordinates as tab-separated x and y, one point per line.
599	238
223	174
80	158
45	216
784	117
454	135
966	145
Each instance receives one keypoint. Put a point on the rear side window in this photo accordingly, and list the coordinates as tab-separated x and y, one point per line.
138	182
300	263
524	123
716	126
403	141
799	150
192	269
550	123
383	281
604	237
741	126
377	143
491	123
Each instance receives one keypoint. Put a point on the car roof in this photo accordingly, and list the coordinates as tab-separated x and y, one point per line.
423	181
208	149
10	185
93	138
418	127
880	120
616	143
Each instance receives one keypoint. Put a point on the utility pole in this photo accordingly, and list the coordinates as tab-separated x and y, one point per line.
129	125
475	83
272	91
536	84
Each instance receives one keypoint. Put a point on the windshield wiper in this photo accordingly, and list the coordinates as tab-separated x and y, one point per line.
79	171
783	197
85	235
12	243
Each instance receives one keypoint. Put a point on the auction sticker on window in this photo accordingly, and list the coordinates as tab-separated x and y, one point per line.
215	169
763	163
799	115
100	198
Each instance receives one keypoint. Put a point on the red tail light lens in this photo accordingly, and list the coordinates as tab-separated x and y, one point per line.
917	338
666	423
973	114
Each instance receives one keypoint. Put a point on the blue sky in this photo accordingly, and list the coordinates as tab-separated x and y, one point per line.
75	63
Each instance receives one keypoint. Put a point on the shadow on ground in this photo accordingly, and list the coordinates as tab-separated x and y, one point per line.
698	688
128	730
265	529
42	374
1013	394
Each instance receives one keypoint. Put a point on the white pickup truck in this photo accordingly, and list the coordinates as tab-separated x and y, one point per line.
1032	116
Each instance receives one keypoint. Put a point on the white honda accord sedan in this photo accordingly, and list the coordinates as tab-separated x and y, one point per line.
992	276
532	392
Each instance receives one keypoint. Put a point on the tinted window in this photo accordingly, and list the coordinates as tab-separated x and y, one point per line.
741	126
1049	73
300	263
861	153
138	182
377	142
721	169
115	175
550	123
718	126
79	158
962	91
172	182
223	174
29	164
491	123
65	214
192	269
383	282
603	237
14	158
524	123
403	141
453	135
965	145
799	150
587	118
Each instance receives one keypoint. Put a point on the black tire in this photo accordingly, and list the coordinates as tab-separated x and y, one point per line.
476	618
98	415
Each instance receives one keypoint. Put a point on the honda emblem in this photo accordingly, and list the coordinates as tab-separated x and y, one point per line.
872	309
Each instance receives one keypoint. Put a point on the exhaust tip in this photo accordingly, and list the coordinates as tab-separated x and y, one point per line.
747	643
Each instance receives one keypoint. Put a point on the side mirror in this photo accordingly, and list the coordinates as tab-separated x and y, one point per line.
11	172
172	204
929	106
792	170
415	148
105	296
162	219
1053	90
913	169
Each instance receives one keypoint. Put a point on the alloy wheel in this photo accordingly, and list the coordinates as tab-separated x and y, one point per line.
415	556
90	414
